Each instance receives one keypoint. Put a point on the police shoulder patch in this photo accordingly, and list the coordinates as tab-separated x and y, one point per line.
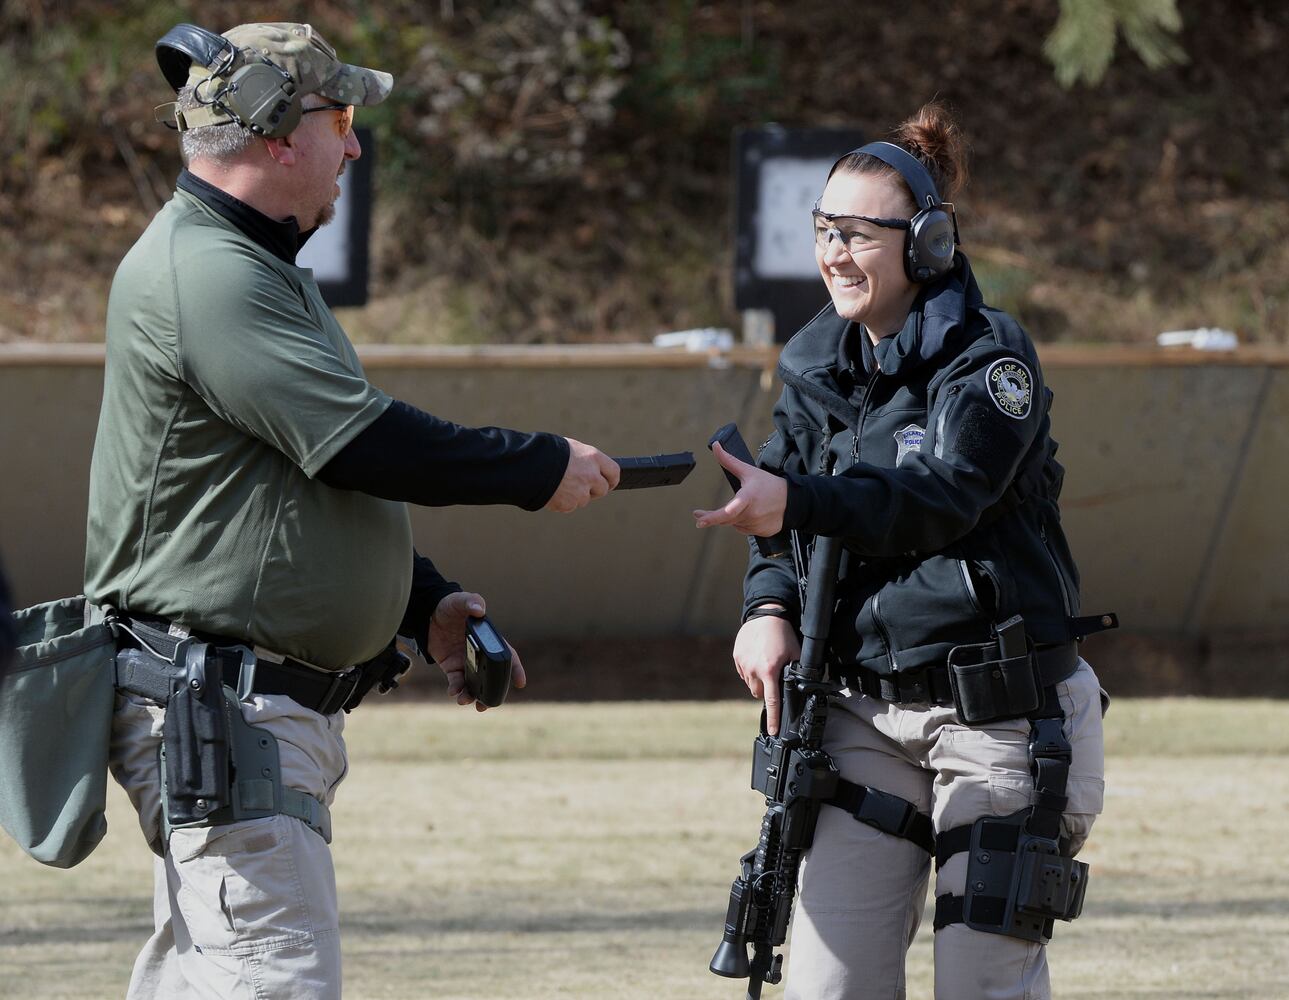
1011	387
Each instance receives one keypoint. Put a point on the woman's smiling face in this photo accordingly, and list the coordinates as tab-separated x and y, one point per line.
864	270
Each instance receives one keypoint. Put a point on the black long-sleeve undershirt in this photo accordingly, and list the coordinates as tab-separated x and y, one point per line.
412	456
428	588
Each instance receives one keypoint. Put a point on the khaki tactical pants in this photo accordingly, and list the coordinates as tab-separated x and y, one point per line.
243	911
862	892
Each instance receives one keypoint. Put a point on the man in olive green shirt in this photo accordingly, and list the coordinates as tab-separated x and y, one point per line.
249	486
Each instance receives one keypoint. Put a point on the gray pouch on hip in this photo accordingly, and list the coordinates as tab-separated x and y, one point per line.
56	700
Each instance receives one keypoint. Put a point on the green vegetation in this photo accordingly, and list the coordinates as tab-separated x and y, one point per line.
1082	44
559	171
544	851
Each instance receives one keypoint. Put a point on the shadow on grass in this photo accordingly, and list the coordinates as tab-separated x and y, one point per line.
86	921
1190	909
535	921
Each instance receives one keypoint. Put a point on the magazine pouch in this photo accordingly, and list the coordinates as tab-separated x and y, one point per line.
997	680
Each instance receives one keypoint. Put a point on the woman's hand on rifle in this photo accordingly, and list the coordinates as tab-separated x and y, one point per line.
763	647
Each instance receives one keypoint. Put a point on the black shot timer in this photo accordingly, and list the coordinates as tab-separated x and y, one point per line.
487	662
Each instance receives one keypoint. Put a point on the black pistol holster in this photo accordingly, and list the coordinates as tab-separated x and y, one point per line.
1020	875
215	766
195	762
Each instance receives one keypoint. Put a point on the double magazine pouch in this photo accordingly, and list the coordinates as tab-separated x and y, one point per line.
56	701
995	680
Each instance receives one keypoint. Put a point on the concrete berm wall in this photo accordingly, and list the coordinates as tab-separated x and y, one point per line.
1176	466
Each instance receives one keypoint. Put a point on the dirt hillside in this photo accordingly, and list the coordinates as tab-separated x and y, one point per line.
560	170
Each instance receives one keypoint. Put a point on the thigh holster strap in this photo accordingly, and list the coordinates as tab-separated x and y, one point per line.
312	812
888	813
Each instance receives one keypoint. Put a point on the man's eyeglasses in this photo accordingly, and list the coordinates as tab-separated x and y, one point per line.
828	225
344	123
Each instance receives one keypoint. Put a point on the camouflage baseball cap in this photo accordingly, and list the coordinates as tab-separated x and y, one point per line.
311	61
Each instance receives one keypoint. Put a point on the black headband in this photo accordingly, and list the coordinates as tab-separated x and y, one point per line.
908	166
185	44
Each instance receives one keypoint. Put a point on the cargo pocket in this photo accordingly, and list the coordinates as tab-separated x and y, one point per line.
980	772
239	887
1080	695
1009	793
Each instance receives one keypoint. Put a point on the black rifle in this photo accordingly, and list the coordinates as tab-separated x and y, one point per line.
796	776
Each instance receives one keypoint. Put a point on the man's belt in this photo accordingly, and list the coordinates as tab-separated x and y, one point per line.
930	685
243	671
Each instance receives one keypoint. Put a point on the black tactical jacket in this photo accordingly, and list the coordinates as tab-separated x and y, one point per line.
937	470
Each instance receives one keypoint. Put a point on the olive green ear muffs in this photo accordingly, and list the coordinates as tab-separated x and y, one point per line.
262	97
241	86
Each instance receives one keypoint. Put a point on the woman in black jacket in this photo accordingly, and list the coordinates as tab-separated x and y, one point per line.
914	425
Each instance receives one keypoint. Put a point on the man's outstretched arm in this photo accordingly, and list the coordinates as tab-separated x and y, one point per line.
410	455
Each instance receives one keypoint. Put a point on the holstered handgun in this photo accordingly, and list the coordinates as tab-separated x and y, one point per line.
194	749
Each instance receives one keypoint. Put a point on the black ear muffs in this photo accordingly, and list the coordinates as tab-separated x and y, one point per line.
185	44
928	245
933	232
257	94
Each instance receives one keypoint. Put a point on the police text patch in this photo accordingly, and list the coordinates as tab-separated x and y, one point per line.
1011	387
908	439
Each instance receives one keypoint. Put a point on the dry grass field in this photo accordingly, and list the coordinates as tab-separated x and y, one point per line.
544	851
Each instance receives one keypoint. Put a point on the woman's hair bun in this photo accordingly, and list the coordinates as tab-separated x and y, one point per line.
935	138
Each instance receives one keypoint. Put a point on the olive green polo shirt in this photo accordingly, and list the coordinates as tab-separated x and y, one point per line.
229	385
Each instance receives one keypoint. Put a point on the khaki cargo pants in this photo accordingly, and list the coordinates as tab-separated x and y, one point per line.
244	911
862	892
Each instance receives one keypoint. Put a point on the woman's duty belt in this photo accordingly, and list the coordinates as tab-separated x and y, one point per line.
932	685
